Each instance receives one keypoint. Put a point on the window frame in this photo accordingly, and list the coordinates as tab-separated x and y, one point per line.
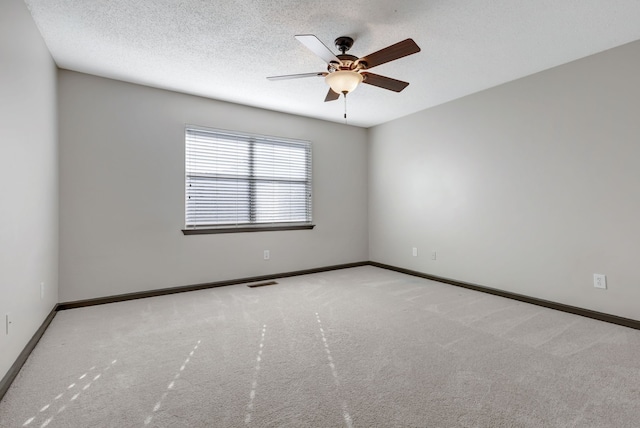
253	225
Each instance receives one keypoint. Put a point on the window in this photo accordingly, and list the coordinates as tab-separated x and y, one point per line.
238	182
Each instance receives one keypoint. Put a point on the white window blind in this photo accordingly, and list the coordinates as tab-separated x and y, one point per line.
235	180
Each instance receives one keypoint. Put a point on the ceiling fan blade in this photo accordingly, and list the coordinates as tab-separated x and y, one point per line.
331	96
384	82
317	47
390	53
297	76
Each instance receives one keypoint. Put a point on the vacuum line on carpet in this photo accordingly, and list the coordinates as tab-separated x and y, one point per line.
149	418
254	383
345	410
73	398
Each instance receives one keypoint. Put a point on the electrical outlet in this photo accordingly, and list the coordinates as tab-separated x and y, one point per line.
415	252
42	290
599	281
266	255
8	322
433	255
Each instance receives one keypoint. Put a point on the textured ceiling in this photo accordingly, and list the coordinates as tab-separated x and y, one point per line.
226	49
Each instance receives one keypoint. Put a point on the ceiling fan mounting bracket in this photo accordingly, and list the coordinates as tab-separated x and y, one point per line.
344	43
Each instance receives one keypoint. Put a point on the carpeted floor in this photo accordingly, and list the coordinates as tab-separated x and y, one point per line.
361	347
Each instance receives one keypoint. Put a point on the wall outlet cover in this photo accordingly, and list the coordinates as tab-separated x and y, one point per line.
600	281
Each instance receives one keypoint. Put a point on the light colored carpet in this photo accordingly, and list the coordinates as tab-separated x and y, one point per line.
361	347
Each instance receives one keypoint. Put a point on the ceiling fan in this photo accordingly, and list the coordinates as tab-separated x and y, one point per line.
345	71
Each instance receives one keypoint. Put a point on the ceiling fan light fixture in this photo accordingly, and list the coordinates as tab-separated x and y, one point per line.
343	81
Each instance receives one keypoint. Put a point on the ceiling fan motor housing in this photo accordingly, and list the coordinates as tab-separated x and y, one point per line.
347	62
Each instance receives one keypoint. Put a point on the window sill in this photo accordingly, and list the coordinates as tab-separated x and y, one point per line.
207	231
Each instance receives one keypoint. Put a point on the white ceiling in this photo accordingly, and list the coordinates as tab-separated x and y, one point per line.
226	49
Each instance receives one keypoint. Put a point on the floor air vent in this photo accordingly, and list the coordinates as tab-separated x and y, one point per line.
261	284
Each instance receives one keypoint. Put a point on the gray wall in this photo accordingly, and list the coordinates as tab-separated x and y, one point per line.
122	192
28	180
529	187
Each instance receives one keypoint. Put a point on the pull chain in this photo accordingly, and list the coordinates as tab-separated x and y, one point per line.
345	107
